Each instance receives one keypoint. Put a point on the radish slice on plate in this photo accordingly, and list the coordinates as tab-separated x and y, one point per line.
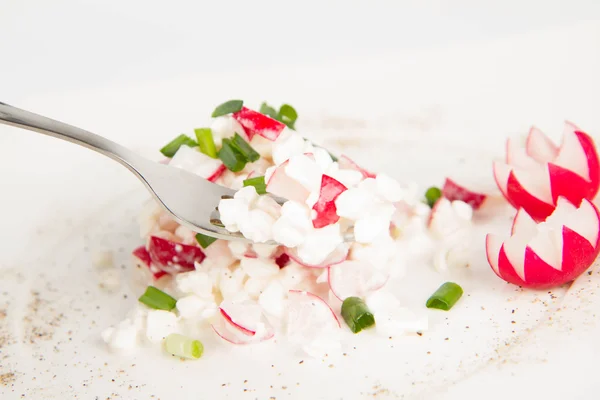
173	257
326	211
280	184
474	196
339	255
256	123
355	278
550	253
228	332
246	317
346	162
143	260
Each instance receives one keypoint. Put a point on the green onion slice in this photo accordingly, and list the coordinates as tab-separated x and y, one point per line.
258	183
288	115
445	297
204	241
182	140
233	159
206	142
244	148
356	314
229	107
432	195
183	346
268	110
157	299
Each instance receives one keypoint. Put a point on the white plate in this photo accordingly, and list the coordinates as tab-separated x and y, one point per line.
415	116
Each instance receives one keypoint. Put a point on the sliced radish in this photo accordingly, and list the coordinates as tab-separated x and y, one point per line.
280	184
346	162
539	146
550	253
247	317
256	123
517	156
308	312
232	334
173	257
326	212
356	278
143	260
191	160
454	191
339	255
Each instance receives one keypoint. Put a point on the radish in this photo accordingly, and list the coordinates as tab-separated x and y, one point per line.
309	317
142	259
256	123
538	174
280	184
282	260
455	191
339	255
346	162
325	206
550	253
246	317
191	160
228	332
355	278
173	257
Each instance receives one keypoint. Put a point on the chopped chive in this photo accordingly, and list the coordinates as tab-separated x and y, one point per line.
233	159
205	141
334	158
258	183
288	115
229	107
244	148
182	140
204	241
445	297
183	346
356	314
268	110
157	299
432	195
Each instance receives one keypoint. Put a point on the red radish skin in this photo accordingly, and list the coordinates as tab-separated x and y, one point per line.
578	254
256	123
282	260
453	191
242	329
348	163
519	196
143	258
217	174
165	255
326	211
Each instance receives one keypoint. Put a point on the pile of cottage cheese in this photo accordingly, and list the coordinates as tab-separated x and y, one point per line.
250	292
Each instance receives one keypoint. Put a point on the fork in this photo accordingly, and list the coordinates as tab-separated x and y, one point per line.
188	198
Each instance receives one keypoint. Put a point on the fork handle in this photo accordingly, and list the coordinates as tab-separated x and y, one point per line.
10	115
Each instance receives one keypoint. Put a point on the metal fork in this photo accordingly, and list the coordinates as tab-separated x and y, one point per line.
190	199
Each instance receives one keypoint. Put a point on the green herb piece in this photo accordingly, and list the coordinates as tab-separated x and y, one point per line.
229	107
182	140
258	183
157	299
240	144
206	142
268	110
204	241
356	314
432	195
233	159
182	346
445	297
288	115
